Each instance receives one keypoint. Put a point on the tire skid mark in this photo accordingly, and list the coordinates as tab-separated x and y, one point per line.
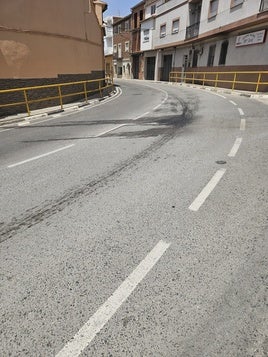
40	213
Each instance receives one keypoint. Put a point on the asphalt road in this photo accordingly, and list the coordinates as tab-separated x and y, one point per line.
137	227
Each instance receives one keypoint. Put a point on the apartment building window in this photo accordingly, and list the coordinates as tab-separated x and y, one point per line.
119	50
213	8
127	46
135	20
163	29
119	28
223	54
115	48
175	26
153	9
126	26
264	5
211	55
146	35
141	15
235	3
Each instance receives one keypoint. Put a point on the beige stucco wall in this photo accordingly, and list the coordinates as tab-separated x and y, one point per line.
44	38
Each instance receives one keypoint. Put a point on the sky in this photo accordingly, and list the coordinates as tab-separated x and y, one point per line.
119	7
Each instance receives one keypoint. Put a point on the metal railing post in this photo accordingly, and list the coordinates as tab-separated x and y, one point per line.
60	97
85	90
217	78
26	102
204	77
234	81
100	88
259	82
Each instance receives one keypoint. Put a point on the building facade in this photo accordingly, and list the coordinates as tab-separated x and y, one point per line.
137	16
204	35
122	47
48	40
108	44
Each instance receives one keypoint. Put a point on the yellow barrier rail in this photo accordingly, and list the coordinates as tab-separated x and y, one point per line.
234	80
30	95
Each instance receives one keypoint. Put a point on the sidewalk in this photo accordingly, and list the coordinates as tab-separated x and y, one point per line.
262	97
45	112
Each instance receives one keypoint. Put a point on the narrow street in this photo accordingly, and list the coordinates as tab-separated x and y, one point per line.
137	227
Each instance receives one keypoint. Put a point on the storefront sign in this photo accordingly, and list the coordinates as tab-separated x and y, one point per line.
252	38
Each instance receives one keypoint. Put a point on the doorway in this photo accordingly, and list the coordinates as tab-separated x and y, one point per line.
167	67
150	68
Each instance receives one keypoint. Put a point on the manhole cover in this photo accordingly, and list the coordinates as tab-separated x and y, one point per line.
221	162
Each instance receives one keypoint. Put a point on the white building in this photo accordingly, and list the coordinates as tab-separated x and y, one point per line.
108	38
204	35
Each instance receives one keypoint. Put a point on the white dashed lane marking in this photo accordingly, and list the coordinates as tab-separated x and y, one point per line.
243	124
201	198
90	329
235	147
40	156
232	102
241	111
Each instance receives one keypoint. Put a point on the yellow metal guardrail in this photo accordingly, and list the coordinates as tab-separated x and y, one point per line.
233	79
30	95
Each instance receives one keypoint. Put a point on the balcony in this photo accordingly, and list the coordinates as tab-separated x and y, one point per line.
192	31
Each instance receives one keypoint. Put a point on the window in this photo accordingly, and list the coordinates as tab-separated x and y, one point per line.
126	26
115	48
175	26
264	5
119	28
223	54
141	15
127	46
213	8
146	35
211	55
153	9
163	30
119	50
236	2
135	20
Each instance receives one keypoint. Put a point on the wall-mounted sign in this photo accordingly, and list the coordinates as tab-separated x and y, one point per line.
252	38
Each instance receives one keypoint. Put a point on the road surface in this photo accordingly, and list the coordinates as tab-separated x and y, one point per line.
137	227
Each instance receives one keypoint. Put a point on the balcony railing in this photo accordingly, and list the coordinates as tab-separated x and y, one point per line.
264	5
192	31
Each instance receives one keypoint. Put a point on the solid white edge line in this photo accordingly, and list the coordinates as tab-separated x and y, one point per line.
232	102
235	147
108	131
90	329
141	116
203	195
241	111
40	156
243	124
